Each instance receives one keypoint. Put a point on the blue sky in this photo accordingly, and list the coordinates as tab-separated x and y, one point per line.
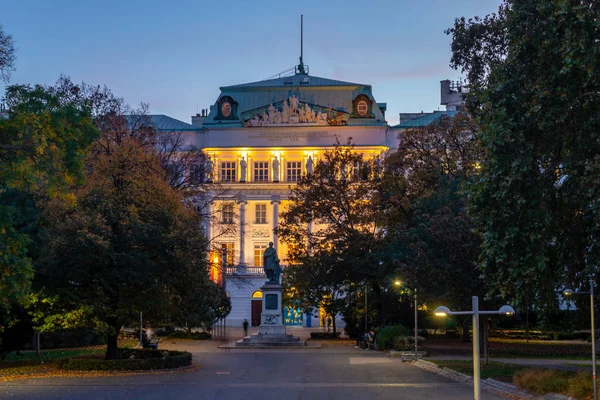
175	55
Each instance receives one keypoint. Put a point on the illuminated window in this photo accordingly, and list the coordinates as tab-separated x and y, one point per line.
261	214
228	171
227	213
293	171
259	254
261	171
228	248
257	294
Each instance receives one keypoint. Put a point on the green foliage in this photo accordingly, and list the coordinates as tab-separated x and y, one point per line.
325	335
198	303
190	335
407	343
534	82
386	336
131	360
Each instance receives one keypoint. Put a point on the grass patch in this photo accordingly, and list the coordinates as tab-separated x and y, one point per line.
54	354
539	381
494	370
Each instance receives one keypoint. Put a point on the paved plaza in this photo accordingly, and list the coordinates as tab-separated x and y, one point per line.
332	372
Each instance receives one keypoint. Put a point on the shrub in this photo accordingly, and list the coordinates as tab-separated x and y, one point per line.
542	381
385	337
131	360
324	335
407	343
580	385
190	335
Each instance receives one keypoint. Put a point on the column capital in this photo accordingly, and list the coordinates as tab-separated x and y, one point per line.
242	200
275	199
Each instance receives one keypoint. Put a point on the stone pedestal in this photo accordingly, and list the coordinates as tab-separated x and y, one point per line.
271	332
271	319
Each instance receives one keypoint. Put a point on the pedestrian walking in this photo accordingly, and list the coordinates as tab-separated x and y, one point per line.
245	325
328	323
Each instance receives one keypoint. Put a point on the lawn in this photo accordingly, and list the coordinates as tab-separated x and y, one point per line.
512	348
494	370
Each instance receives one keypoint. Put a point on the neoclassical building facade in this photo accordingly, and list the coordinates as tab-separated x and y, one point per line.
260	138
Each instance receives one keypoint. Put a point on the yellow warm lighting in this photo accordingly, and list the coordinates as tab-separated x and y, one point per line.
441	314
397	283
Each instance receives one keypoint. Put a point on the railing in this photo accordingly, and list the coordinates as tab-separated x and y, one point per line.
247	270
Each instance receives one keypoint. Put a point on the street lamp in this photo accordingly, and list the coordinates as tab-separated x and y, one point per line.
570	292
443	311
398	283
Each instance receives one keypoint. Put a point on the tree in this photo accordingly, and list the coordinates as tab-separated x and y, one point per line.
42	145
340	245
125	241
421	196
7	55
535	92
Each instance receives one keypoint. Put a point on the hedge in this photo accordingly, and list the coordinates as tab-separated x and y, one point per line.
407	343
143	360
325	335
190	335
385	336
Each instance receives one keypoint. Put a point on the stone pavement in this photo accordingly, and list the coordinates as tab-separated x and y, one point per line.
337	371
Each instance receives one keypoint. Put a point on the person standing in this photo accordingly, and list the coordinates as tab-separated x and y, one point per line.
245	325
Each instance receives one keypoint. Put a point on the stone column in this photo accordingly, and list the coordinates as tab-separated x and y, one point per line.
275	201
242	202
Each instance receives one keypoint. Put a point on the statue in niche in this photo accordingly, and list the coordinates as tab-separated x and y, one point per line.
243	167
275	169
209	170
271	264
285	112
294	102
309	165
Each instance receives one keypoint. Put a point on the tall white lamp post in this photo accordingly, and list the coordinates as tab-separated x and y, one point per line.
569	292
398	283
443	311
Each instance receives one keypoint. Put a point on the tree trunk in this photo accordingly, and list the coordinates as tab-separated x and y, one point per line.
465	326
112	347
333	322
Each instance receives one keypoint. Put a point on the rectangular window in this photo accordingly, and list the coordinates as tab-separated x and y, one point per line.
293	171
228	248
228	171
261	214
259	254
261	171
227	213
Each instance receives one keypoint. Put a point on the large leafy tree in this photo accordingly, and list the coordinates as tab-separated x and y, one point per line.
421	196
535	91
43	142
124	244
332	227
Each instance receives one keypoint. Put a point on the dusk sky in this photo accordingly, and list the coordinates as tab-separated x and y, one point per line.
175	55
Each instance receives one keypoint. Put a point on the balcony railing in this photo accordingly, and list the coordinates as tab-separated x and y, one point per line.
247	270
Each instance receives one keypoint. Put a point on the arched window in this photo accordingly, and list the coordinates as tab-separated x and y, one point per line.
257	294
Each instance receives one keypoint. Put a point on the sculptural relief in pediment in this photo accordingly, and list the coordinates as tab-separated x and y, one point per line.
290	112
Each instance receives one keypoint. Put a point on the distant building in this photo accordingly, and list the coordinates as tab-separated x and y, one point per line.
451	96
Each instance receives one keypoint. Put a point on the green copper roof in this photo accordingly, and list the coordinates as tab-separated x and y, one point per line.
425	120
291	81
164	123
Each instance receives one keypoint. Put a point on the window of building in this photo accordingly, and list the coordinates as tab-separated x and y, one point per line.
293	171
228	171
227	213
259	254
261	214
261	171
228	249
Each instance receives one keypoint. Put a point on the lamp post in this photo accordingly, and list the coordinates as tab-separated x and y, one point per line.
398	283
443	311
569	292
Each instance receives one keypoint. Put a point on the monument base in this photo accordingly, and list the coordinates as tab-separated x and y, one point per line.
271	331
